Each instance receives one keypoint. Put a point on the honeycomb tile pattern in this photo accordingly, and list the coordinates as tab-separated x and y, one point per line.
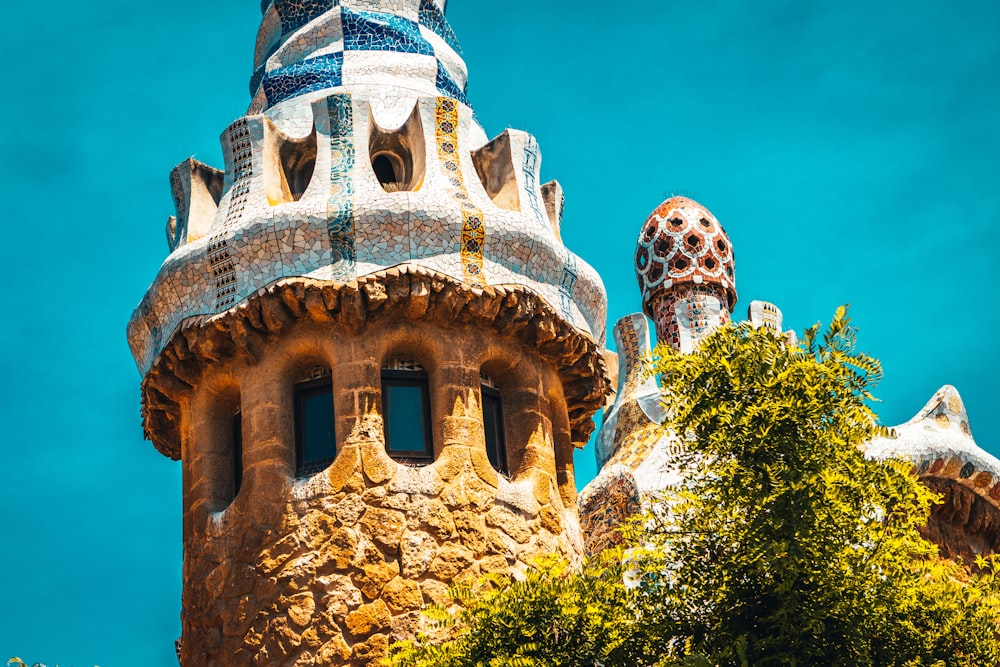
682	245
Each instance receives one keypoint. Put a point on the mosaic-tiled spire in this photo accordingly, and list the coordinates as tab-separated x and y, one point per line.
308	46
687	271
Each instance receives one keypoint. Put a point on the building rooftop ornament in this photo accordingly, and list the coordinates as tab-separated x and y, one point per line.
687	272
682	243
360	152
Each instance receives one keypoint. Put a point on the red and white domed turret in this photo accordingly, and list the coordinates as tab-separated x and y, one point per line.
686	270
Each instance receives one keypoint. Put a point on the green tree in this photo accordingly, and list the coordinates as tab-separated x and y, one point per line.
785	546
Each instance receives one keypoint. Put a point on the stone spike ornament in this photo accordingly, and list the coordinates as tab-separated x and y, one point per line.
939	442
365	247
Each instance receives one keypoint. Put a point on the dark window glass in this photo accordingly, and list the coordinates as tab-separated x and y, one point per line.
315	443
407	407
237	453
496	446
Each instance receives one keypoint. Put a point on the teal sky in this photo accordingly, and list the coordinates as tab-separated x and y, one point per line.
851	150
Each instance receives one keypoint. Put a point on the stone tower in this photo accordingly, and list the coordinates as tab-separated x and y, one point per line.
368	346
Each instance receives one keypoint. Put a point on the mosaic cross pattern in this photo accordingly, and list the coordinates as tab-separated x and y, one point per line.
315	45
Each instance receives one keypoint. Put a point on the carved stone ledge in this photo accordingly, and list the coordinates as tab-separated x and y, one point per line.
244	331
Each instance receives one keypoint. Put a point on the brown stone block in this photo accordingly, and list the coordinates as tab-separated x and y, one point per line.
433	516
495	565
402	595
542	488
472	532
398	501
408	625
419	299
513	525
451	560
499	544
550	520
339	550
333	652
417	550
462	431
363	374
317	307
237	622
310	639
437	592
481	495
347	509
369	618
375	495
375	295
275	315
372	651
484	469
453	460
384	526
345	468
339	595
374	576
273	558
301	608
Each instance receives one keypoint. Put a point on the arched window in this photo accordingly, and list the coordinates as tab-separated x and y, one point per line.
315	439
406	411
496	444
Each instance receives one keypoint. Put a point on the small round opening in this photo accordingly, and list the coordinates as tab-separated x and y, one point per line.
389	171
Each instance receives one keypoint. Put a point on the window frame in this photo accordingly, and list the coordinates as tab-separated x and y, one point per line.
236	451
493	394
409	378
304	391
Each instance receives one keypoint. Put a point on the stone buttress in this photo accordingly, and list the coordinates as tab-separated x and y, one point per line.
363	227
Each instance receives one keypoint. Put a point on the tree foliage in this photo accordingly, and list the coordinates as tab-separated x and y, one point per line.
785	546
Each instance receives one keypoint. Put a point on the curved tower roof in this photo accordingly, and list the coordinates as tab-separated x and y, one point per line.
360	153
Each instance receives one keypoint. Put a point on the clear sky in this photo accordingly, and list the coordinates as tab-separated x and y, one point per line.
851	150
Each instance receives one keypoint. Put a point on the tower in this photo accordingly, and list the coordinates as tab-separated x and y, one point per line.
368	346
686	268
687	272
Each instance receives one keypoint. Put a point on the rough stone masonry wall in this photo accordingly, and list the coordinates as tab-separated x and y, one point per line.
331	569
